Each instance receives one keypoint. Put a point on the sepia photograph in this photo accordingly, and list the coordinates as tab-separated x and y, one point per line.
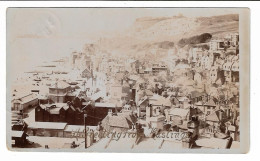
127	79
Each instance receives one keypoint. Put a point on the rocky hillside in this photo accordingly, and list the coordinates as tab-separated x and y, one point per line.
165	32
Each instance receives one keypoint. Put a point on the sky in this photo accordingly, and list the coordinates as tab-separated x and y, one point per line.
35	35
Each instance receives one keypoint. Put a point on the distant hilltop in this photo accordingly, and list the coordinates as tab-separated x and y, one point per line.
165	32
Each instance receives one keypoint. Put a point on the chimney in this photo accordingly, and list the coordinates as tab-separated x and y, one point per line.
110	113
148	111
69	103
138	111
157	112
220	115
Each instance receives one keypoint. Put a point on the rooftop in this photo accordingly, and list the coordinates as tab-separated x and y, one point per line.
214	143
212	117
47	125
108	105
79	128
26	98
179	112
17	134
60	85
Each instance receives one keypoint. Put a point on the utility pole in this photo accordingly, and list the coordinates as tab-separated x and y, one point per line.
85	116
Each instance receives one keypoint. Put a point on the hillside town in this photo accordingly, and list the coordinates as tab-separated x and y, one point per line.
184	96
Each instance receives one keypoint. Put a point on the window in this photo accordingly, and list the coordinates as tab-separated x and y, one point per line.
208	112
16	106
171	118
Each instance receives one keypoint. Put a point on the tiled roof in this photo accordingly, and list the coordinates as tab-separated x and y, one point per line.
148	92
160	100
212	117
42	106
17	134
97	95
179	112
26	98
108	105
182	99
47	125
142	100
210	103
122	120
195	94
198	103
119	121
68	106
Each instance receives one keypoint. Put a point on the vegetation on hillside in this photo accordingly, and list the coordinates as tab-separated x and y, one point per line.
203	38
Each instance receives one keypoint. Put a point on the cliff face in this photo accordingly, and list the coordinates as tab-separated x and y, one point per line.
164	32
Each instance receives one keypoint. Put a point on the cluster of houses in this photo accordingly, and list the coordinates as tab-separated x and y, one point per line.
193	91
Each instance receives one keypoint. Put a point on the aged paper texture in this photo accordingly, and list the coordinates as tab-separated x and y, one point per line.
128	79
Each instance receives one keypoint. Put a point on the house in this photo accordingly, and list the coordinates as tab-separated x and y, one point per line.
195	54
102	109
235	72
148	71
39	113
87	73
215	121
72	131
219	63
70	114
215	45
200	105
20	126
197	78
24	102
196	96
116	91
177	116
148	93
59	112
182	69
227	71
97	97
79	117
141	106
209	107
18	138
213	74
157	68
120	122
160	103
49	129
58	91
206	62
127	93
154	117
183	101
